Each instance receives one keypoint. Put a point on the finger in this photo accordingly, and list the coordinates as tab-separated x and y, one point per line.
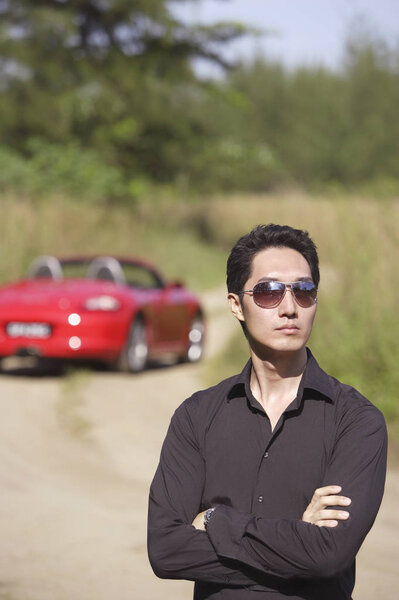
333	501
324	491
325	515
338	500
326	523
340	515
327	490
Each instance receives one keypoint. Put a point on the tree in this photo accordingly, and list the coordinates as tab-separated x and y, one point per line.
324	126
115	76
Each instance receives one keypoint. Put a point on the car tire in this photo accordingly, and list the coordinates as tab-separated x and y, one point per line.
196	336
134	356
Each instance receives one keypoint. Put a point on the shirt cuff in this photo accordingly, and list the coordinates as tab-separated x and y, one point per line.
226	529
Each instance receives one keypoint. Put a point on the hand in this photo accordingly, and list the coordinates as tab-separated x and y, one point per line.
317	511
198	522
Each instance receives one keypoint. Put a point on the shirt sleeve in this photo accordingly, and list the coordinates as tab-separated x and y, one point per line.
293	548
176	549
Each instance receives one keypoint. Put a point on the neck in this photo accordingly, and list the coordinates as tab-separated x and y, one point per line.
278	366
275	380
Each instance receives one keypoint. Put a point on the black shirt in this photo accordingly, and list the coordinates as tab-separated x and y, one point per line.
220	451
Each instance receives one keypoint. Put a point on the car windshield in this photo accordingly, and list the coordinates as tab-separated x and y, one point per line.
74	270
140	277
133	274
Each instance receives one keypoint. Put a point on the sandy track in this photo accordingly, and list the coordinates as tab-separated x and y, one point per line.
77	457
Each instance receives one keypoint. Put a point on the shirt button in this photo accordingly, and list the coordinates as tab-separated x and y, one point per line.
266	454
260	499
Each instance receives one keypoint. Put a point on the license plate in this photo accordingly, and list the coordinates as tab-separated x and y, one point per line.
28	330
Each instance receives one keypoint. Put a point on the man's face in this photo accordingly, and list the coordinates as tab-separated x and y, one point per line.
287	327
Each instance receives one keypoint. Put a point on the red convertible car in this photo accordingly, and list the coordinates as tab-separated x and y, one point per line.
116	310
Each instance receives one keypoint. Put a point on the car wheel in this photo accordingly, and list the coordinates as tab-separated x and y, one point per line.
195	346
134	356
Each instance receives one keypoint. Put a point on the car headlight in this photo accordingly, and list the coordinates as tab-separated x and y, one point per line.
106	303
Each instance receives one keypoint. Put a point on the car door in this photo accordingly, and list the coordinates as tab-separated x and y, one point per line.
173	314
163	304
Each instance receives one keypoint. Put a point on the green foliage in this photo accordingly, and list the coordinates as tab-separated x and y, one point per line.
112	80
114	83
65	168
327	127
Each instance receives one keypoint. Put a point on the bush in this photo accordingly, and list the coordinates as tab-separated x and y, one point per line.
60	168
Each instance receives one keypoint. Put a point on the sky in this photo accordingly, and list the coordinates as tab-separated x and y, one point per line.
300	31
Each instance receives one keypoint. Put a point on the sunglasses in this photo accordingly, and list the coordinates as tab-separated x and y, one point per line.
269	294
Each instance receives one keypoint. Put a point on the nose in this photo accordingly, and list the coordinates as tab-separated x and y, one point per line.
288	306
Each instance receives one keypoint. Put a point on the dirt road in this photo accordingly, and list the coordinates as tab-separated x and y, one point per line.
77	457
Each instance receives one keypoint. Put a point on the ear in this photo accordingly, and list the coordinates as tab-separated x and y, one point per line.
235	306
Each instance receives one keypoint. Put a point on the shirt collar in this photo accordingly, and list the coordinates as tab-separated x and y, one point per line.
314	378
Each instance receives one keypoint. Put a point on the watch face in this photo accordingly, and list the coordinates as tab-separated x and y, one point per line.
207	515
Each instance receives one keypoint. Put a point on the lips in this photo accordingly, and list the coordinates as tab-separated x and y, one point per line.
288	328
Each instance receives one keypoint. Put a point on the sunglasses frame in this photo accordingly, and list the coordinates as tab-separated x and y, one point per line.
287	285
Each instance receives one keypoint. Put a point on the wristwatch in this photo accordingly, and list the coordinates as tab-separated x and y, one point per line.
208	515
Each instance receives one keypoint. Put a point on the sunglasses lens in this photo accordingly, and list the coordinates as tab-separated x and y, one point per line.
305	293
268	294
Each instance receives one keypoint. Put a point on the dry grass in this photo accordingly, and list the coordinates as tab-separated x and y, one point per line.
356	333
63	227
70	406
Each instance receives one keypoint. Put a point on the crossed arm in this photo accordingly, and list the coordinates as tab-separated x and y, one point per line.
320	511
241	548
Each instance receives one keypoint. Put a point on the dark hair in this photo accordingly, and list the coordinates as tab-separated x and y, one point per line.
239	263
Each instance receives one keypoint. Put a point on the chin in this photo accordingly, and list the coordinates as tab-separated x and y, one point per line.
265	347
289	346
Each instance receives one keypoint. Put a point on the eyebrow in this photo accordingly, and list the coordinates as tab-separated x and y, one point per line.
306	278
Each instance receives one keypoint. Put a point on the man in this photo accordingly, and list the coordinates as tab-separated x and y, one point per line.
246	499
